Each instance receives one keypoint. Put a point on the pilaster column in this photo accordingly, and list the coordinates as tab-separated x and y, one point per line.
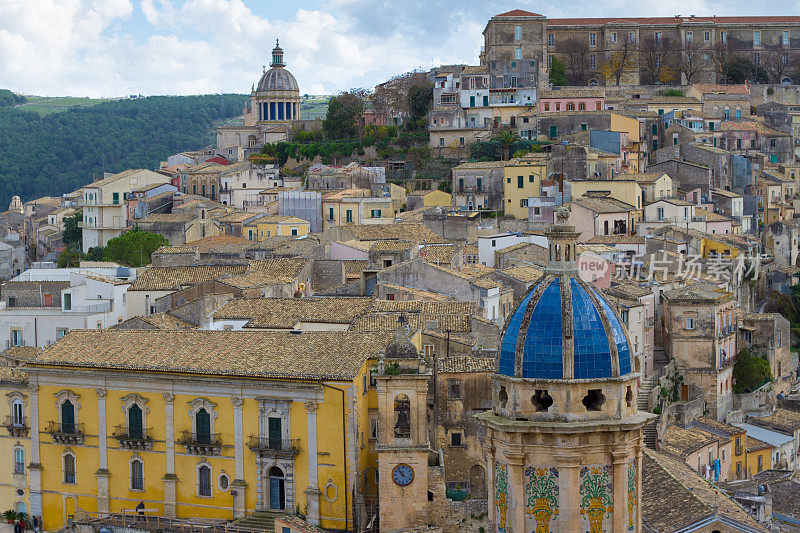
490	460
35	467
516	491
239	485
312	491
569	514
102	470
170	479
620	488
638	462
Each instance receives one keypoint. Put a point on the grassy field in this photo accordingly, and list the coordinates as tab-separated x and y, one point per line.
314	107
45	105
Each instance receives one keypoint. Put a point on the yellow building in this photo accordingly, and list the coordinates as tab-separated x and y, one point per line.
522	180
356	206
208	424
759	456
429	199
275	225
632	153
627	191
15	442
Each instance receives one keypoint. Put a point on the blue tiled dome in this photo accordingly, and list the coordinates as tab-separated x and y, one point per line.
564	329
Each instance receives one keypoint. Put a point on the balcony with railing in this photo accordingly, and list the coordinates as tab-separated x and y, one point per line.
69	433
17	426
133	438
201	443
274	447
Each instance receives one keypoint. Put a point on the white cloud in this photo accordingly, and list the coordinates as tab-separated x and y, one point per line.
116	47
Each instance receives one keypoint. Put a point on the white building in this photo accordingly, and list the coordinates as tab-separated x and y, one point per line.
241	185
104	204
37	309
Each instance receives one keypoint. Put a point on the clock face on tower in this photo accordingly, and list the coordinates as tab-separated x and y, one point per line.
403	475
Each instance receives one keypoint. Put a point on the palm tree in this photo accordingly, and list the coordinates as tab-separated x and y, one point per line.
506	139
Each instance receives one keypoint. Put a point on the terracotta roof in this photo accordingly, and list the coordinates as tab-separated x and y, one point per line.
392	246
124	175
156	321
287	312
12	374
167	218
480	165
269	272
354	267
617	239
518	13
721	426
752	125
603	205
675	497
420	294
684	441
628	290
440	253
426	308
709	216
175	278
475	69
265	354
640	177
696	291
573	92
754	445
525	274
710	88
466	363
782	420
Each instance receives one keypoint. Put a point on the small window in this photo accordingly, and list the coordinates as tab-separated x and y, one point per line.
592	39
19	461
69	468
454	389
224	482
204	481
455	438
137	475
689	322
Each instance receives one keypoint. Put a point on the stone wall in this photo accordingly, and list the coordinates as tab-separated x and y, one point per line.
182	297
327	274
754	400
32	293
452	516
196	311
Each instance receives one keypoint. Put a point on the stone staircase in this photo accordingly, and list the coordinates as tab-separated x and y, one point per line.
257	522
643	403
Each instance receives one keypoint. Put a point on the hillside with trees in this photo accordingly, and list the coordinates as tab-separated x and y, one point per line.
59	152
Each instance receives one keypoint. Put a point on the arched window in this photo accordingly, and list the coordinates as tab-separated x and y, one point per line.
203	425
402	409
204	480
566	253
19	461
135	429
137	474
20	507
67	417
69	468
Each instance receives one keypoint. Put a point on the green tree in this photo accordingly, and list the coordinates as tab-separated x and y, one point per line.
420	98
72	234
750	372
8	99
342	118
69	257
558	72
738	70
673	92
133	248
95	253
506	140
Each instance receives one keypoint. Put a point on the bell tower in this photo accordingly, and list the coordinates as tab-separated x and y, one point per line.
402	387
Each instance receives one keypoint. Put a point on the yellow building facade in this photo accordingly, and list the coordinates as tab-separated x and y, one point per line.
15	443
274	226
522	179
627	191
203	424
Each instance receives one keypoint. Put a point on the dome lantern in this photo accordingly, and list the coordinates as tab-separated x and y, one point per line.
277	56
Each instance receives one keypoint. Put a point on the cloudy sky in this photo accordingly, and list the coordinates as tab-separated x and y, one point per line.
119	47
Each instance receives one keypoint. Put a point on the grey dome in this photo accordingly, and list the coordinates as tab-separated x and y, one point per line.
277	79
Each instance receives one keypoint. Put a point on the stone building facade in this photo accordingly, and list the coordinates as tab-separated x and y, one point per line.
688	44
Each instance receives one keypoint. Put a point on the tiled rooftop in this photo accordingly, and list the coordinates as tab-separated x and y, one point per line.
262	354
287	312
675	497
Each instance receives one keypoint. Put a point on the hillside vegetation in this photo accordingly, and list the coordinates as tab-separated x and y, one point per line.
59	152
